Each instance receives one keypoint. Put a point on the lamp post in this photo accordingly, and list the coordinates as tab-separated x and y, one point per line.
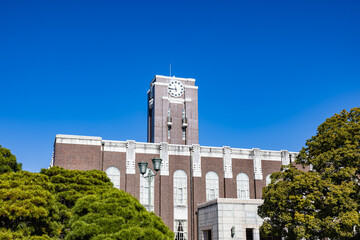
143	168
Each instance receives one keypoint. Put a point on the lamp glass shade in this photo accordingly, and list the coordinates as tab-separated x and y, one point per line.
143	167
157	163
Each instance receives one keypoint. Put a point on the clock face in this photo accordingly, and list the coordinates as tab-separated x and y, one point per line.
176	89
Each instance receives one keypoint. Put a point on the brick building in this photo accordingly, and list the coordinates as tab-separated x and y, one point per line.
190	174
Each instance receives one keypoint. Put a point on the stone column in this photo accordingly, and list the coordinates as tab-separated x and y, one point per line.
285	160
196	160
227	162
164	155
130	157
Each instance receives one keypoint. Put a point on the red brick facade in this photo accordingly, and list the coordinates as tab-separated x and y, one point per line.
85	153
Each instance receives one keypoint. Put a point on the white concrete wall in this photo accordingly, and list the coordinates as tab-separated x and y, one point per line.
220	215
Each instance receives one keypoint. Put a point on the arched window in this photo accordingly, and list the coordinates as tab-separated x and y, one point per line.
180	188
180	205
114	174
242	181
212	186
144	190
268	180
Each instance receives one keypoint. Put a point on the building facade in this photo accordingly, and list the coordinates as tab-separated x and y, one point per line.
190	174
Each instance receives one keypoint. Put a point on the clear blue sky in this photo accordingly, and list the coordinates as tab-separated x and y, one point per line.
269	72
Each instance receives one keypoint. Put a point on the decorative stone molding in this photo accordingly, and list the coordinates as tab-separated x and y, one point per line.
285	159
147	148
196	160
114	146
130	157
231	200
217	152
227	162
257	164
52	159
179	150
76	139
164	155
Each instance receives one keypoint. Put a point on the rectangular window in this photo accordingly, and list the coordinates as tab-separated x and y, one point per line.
183	113
168	133
184	134
168	112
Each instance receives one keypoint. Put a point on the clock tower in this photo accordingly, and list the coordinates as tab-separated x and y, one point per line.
173	111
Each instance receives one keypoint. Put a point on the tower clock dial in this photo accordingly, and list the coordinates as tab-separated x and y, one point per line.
175	89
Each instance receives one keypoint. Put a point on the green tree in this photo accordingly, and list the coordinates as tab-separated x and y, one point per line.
27	206
114	215
8	161
58	204
325	201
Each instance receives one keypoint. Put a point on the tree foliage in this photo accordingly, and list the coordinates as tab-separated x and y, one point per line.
70	204
8	161
115	215
323	202
27	206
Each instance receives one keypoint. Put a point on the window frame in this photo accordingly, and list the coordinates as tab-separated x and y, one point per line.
114	176
212	185
243	193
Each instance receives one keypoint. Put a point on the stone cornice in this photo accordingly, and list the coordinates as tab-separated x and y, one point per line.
178	150
232	201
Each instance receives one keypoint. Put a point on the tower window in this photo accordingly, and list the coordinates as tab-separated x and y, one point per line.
168	112
168	133
183	113
184	134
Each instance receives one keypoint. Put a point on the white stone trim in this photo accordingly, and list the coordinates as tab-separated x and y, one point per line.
75	139
216	152
175	78
164	155
191	87
149	148
196	160
241	153
52	159
285	159
161	84
257	155
176	100
231	200
167	84
130	157
179	150
227	162
114	146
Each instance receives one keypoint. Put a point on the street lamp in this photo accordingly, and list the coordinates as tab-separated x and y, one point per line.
143	168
